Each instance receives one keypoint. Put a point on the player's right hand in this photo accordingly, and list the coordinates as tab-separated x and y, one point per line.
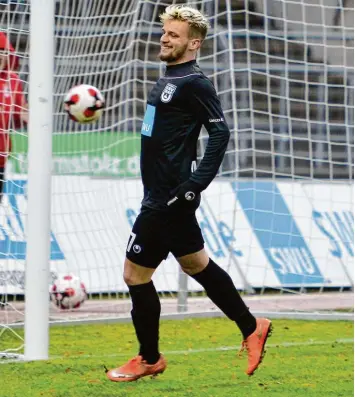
186	192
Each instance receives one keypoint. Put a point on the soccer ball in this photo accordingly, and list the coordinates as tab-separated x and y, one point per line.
84	103
68	292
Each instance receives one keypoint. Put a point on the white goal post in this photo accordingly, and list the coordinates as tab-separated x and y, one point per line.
279	216
40	130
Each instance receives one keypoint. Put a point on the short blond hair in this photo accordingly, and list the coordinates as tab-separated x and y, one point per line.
198	22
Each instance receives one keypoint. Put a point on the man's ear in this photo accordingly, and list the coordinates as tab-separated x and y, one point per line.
195	44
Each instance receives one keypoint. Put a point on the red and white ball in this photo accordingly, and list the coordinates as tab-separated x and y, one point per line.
84	103
68	292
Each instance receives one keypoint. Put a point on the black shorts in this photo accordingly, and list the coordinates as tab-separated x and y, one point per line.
156	233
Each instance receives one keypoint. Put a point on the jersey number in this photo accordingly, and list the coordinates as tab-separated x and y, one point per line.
131	239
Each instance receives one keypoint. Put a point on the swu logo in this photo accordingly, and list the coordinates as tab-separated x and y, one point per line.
146	127
278	233
148	121
12	213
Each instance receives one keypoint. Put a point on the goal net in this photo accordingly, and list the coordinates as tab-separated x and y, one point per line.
279	216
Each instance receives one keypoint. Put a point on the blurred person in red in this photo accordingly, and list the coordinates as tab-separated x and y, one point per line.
13	105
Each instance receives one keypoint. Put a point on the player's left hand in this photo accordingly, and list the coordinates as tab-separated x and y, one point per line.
186	192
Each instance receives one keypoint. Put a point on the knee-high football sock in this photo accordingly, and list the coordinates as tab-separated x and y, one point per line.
145	316
222	292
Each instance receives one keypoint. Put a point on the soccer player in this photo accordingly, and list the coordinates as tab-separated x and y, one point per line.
13	106
179	104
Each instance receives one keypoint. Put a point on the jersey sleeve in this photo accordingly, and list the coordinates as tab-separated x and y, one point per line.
206	106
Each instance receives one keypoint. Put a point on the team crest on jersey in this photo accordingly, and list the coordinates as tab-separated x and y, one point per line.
168	92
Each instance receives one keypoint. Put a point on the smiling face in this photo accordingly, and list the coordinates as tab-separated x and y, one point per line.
176	43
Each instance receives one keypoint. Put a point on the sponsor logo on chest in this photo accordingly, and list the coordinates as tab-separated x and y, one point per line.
6	90
168	92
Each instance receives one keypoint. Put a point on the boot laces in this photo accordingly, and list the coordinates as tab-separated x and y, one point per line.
134	362
245	346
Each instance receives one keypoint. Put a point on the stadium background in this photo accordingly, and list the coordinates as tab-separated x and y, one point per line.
287	93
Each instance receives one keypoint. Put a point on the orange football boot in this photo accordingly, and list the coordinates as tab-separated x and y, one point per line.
136	368
255	343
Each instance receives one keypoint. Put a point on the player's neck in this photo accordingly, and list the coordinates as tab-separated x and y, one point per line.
187	57
170	66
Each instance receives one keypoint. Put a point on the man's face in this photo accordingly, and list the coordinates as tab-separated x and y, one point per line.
3	59
175	43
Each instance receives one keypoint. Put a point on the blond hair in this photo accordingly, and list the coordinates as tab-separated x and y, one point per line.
198	22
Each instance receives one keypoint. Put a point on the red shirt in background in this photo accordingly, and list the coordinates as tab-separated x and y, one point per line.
12	99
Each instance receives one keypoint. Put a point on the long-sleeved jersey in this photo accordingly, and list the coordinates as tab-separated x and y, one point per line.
178	105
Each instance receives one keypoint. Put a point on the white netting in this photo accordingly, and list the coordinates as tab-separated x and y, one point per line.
280	216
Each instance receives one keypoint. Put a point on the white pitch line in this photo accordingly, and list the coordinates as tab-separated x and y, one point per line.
215	349
224	348
272	345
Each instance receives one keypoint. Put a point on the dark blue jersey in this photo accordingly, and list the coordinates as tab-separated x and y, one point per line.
177	107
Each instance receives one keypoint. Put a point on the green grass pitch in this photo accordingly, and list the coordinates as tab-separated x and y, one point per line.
304	358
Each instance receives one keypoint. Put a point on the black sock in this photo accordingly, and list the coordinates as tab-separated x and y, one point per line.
145	316
222	292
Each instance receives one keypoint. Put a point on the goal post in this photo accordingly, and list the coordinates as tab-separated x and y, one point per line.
278	217
40	129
